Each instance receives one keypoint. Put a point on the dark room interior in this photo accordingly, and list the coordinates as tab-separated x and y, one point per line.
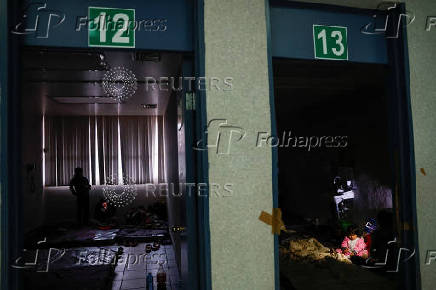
128	146
333	157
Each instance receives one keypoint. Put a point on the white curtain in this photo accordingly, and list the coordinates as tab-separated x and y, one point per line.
66	147
142	148
108	148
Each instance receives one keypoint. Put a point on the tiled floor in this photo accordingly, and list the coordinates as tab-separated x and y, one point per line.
131	272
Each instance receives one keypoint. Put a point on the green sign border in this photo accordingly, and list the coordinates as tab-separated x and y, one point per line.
314	41
113	46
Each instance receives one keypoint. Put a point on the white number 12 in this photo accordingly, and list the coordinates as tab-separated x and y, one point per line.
117	38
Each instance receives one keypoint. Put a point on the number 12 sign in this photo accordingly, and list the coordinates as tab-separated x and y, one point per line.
111	27
330	42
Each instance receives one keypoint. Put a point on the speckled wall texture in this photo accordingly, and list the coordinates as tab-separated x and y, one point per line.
422	50
235	34
242	247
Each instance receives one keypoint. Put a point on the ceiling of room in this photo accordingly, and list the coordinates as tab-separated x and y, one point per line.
304	88
69	82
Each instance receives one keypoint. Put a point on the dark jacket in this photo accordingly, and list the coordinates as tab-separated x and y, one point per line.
80	186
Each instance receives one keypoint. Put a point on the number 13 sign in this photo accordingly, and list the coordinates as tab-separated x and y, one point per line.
111	27
330	42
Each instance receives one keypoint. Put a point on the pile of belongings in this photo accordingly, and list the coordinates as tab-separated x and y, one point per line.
154	216
306	264
309	250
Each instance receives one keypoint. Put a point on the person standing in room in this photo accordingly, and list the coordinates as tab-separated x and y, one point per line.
79	186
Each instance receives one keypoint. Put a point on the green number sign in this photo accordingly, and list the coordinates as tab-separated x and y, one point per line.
111	27
330	42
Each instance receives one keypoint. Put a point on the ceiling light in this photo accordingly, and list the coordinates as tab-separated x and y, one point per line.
149	106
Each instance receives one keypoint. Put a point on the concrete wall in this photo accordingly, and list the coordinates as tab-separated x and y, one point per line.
242	247
236	46
422	48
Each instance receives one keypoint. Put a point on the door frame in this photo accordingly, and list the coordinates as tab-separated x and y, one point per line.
201	156
9	162
9	85
404	175
4	91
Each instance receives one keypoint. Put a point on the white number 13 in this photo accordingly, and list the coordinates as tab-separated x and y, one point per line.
337	35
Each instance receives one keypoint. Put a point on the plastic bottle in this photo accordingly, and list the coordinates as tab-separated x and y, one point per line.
149	281
161	278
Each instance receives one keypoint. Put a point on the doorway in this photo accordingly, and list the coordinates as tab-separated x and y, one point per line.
334	174
343	147
103	165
